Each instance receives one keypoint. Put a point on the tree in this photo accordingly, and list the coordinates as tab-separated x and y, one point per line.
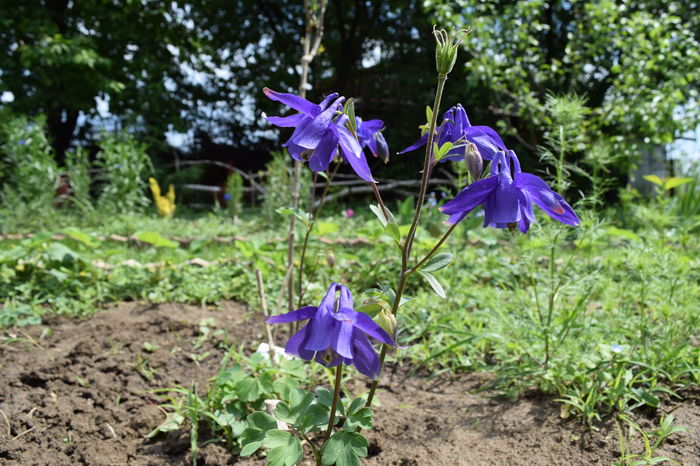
634	63
58	56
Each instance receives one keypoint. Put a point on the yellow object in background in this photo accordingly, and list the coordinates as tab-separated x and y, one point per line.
164	204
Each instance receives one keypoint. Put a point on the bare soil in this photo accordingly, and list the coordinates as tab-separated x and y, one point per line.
84	395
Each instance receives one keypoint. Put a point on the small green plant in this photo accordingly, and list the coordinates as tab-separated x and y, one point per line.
652	441
125	166
234	195
78	174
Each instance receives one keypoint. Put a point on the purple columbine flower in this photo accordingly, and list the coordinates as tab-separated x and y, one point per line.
455	128
370	136
508	198
227	197
335	334
318	130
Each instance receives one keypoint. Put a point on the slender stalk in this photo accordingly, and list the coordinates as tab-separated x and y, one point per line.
426	168
408	244
263	306
314	449
334	405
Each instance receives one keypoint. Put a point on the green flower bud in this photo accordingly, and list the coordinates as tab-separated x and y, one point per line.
446	50
386	320
475	164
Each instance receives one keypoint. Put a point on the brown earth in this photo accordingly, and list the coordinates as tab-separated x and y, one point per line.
83	395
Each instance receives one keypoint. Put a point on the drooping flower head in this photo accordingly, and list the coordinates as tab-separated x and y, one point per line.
318	131
335	334
507	195
457	129
370	136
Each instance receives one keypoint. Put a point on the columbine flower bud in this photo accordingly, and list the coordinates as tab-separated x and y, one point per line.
447	46
475	164
330	259
387	321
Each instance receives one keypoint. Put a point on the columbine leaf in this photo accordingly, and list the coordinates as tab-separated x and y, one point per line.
344	449
262	421
393	230
437	262
383	219
285	449
358	415
434	284
293	412
251	440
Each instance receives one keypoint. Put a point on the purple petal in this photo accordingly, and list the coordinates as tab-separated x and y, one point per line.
367	325
503	206
300	314
486	139
382	147
295	151
366	360
311	134
322	326
327	100
342	338
293	101
288	121
545	198
353	153
295	345
421	142
345	298
473	195
372	126
323	154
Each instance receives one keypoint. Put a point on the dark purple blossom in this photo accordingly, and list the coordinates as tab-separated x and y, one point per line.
370	136
318	130
508	198
335	333
457	129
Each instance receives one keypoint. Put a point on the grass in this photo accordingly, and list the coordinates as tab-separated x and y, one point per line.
602	317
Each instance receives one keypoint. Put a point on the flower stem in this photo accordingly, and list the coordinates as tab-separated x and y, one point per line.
408	244
334	405
426	169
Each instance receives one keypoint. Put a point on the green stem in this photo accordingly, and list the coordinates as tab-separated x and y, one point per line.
426	168
314	449
408	244
334	405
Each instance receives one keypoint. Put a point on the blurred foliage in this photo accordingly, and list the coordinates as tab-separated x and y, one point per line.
635	64
632	65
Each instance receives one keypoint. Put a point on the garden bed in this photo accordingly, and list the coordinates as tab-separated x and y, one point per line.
82	393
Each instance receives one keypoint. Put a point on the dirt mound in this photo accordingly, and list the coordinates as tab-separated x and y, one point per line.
84	396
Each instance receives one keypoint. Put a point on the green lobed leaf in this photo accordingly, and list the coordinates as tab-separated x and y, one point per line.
285	449
344	449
